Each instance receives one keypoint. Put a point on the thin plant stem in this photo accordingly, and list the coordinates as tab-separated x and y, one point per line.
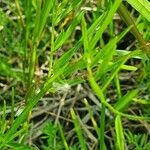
20	13
102	127
12	105
51	52
125	15
98	91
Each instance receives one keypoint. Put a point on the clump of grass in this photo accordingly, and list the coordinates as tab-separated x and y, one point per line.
68	51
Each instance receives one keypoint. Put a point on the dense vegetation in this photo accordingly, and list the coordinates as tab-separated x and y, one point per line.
74	74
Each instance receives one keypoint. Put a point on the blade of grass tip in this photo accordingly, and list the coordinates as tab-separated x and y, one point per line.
32	102
51	53
78	130
63	137
124	101
139	55
141	101
119	134
129	68
12	106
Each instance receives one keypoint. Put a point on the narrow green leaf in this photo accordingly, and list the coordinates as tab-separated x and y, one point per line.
18	146
37	21
106	56
102	127
3	122
48	5
142	6
12	106
64	35
78	130
119	134
116	67
66	57
63	137
92	118
125	100
107	18
85	36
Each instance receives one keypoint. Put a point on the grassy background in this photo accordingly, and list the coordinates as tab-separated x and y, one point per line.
74	74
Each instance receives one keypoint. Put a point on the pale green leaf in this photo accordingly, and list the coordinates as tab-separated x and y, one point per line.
142	6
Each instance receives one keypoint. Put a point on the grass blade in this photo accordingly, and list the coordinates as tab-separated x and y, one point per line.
125	100
3	122
63	137
106	56
85	36
119	134
31	103
92	118
102	127
64	35
116	67
106	20
12	106
142	6
78	130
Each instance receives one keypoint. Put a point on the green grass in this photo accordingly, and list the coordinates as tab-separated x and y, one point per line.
74	74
